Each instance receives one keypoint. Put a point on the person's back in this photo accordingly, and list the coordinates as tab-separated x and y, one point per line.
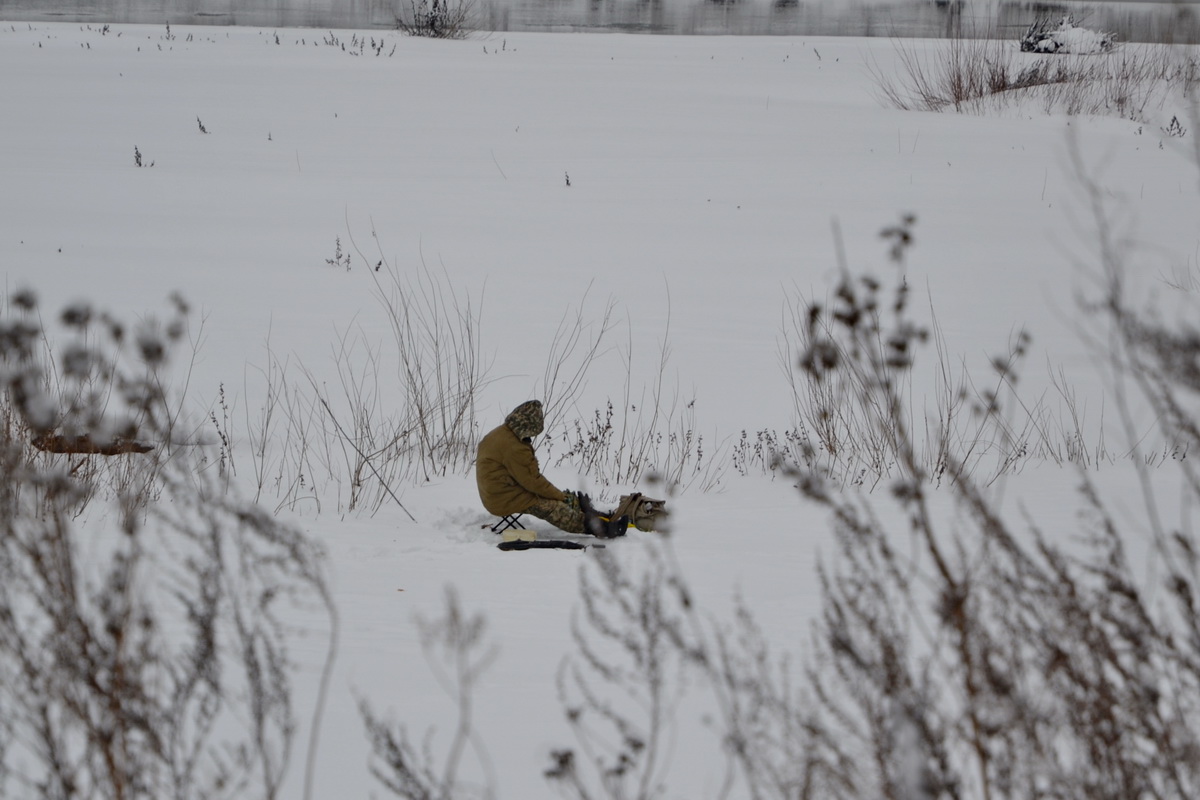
506	468
510	481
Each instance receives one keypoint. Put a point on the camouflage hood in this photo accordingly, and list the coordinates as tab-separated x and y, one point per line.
526	420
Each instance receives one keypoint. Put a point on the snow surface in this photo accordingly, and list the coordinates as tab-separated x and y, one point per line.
705	175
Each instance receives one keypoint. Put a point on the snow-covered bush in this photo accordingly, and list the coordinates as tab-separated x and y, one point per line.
1045	36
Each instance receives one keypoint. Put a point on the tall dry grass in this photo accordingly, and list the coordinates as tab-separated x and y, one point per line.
987	75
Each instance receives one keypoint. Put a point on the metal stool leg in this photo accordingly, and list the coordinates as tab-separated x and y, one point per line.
506	522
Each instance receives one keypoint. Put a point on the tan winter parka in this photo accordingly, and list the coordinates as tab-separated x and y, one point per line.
506	468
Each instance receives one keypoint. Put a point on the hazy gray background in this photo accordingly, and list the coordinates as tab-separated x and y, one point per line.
1132	21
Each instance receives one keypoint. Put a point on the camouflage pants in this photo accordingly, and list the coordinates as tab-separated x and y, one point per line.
564	516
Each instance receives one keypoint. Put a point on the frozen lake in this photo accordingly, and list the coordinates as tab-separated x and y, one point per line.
1132	21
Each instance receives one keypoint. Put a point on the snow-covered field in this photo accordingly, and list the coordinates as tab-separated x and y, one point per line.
694	182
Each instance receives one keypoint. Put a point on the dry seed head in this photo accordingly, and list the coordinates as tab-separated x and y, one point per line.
181	305
116	331
78	315
77	361
151	347
24	299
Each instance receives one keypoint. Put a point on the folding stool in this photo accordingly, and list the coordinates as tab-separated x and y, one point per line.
506	522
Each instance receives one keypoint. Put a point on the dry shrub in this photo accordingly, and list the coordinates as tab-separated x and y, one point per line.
146	655
438	19
987	75
956	655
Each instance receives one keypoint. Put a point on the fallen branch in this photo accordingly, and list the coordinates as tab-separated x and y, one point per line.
84	445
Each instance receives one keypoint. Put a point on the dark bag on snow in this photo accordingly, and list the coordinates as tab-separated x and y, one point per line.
646	513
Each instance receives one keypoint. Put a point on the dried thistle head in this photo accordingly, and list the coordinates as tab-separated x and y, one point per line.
76	315
151	347
24	299
821	358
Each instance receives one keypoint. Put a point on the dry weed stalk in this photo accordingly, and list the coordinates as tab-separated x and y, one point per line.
846	428
644	641
359	438
457	646
574	350
649	434
440	365
148	657
956	656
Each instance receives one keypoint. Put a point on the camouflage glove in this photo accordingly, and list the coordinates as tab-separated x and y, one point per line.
571	499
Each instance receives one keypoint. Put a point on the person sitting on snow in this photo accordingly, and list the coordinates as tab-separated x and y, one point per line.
511	482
